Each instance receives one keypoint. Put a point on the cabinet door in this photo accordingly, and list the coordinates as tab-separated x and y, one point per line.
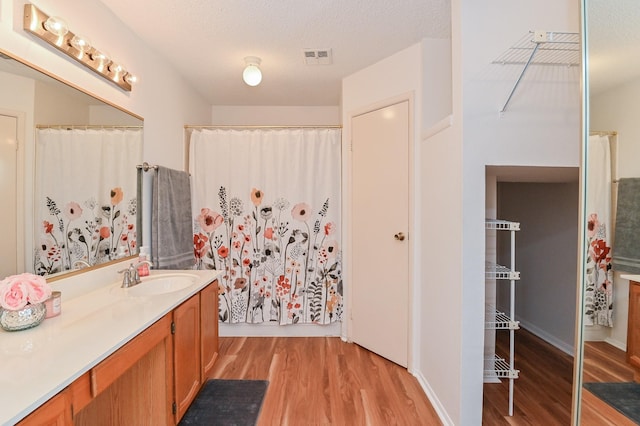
209	327
633	331
186	354
55	412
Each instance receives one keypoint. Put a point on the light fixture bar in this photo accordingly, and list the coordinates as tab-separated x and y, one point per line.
34	20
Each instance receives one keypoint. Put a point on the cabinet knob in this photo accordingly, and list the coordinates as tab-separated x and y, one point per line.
399	236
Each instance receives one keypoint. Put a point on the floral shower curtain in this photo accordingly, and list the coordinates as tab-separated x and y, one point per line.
85	196
267	212
599	276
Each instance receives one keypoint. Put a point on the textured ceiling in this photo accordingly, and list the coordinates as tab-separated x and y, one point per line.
613	43
207	41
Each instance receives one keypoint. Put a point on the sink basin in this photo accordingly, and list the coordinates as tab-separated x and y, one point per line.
162	284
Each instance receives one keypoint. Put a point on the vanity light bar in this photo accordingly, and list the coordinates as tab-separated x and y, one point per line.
92	58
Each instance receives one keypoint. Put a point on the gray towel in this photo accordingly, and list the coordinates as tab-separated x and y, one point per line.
171	222
626	250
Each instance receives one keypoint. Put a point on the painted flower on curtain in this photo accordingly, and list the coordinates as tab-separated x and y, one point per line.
281	261
91	233
598	291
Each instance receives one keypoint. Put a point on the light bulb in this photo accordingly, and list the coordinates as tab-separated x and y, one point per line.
80	43
252	75
130	78
101	58
56	26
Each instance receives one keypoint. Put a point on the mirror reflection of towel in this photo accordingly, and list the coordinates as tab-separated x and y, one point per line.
171	222
626	251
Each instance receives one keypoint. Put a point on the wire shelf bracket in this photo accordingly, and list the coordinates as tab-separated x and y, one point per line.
540	48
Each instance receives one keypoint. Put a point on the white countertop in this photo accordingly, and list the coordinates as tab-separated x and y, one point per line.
630	277
37	363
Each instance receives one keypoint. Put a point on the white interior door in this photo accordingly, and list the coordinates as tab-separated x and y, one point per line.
380	223
8	188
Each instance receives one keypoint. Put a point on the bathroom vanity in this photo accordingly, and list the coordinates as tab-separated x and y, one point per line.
633	325
114	356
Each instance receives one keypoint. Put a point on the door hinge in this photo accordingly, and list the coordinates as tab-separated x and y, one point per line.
173	327
174	407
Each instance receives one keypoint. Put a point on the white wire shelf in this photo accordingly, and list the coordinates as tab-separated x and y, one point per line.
502	225
498	368
553	48
496	320
494	271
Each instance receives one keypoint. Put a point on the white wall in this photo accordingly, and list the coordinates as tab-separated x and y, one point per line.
161	97
543	118
546	248
424	71
616	110
275	115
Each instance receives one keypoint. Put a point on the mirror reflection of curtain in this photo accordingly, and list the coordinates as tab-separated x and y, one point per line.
267	211
598	309
85	196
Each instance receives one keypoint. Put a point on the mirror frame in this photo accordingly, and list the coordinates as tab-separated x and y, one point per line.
578	357
69	273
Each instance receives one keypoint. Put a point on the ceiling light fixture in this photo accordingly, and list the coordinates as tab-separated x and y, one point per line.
55	32
252	74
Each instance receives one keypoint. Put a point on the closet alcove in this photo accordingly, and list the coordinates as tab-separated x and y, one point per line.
544	201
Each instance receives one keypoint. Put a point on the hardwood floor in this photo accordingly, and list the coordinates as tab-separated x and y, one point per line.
324	381
603	363
542	393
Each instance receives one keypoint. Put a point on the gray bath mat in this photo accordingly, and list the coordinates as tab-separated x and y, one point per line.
624	397
227	402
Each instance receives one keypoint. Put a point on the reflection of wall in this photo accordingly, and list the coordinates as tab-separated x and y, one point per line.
53	107
617	109
18	95
546	250
102	114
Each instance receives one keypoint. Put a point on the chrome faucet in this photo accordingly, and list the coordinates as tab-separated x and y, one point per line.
130	275
127	277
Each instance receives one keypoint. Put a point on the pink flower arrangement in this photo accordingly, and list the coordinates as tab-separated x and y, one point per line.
17	291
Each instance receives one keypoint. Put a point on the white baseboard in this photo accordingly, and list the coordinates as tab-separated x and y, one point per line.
435	402
275	330
618	344
552	340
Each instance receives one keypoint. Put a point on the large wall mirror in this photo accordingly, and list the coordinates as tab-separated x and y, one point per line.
612	147
67	175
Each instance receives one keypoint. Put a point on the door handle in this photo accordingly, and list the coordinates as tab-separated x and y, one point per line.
399	236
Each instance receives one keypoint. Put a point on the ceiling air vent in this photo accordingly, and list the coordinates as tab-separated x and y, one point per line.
317	56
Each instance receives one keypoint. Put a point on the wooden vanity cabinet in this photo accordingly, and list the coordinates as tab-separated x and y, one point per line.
186	354
633	329
151	380
209	328
54	412
195	345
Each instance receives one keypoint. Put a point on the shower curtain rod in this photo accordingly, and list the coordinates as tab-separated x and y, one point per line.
603	132
265	127
83	126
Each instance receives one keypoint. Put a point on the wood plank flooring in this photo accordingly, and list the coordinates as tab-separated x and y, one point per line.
324	381
603	363
542	393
